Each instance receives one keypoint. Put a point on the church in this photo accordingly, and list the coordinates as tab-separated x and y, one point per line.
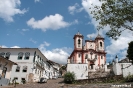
91	52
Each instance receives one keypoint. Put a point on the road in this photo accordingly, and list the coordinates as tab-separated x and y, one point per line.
58	83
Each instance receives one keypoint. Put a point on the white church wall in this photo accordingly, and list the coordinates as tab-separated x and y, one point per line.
127	69
117	69
123	69
80	70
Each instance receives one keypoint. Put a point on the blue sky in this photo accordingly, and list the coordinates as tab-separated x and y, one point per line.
50	26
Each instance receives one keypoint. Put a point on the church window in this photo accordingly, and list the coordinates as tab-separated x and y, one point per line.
79	42
20	56
95	56
27	55
100	44
7	55
86	56
101	57
79	55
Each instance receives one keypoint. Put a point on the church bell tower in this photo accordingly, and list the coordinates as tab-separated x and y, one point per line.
78	41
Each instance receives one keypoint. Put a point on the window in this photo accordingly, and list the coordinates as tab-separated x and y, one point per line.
18	68
24	68
20	56
79	55
79	41
27	55
101	57
95	56
86	56
100	44
23	80
7	55
2	54
16	78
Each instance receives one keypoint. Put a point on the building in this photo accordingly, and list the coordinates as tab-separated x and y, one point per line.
91	53
32	64
5	70
123	67
54	69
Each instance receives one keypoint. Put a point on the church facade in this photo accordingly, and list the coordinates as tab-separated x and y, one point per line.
91	53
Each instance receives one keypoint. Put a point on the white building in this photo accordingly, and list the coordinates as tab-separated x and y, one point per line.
32	64
5	70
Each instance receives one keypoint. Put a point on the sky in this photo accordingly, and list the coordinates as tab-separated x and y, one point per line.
50	25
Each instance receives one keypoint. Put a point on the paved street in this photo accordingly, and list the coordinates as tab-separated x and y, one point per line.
54	83
58	84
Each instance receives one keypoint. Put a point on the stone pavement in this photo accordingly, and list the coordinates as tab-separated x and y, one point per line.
58	83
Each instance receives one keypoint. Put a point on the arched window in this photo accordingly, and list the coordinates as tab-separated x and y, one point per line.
100	44
79	42
20	55
7	55
27	55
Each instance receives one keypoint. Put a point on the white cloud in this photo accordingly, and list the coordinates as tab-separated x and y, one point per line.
37	0
53	22
75	8
3	46
58	55
15	47
93	35
9	8
33	41
120	45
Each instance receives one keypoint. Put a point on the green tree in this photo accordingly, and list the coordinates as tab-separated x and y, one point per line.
69	77
130	51
117	14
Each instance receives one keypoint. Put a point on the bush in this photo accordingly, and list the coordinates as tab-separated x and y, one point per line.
69	77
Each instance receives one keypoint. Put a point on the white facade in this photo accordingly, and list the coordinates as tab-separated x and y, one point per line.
31	64
80	70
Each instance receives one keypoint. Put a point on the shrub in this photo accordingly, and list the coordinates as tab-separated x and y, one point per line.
69	77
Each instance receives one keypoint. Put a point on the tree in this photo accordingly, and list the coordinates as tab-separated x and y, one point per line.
69	77
117	14
130	51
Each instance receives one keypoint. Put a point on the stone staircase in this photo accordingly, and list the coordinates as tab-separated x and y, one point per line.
98	73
